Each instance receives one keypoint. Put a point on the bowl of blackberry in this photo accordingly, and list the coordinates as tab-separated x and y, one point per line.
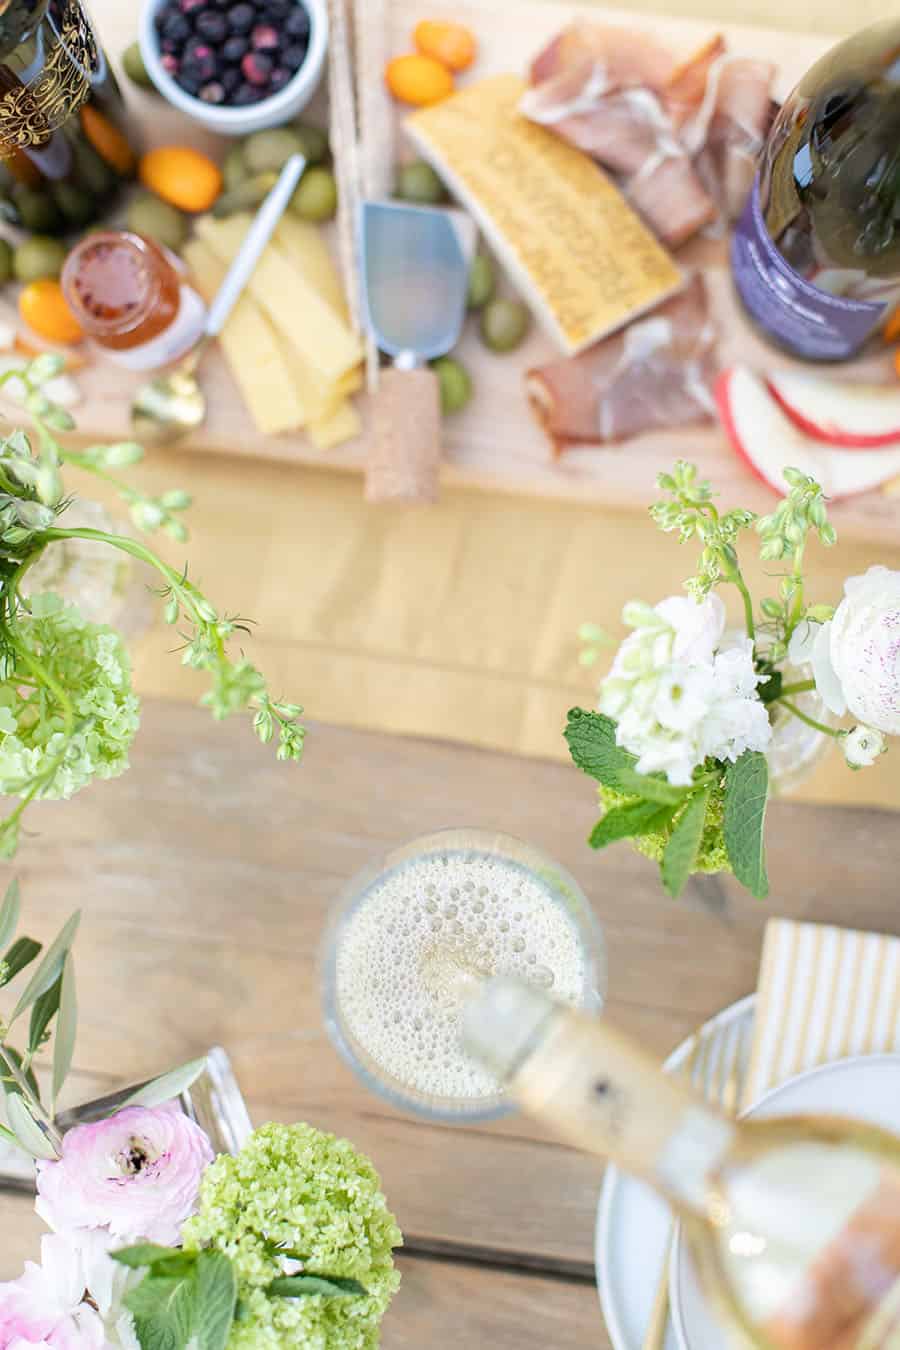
236	66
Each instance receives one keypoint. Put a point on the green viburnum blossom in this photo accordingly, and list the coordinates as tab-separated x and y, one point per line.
67	713
297	1198
712	856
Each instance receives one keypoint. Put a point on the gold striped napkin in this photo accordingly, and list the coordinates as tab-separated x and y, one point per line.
824	994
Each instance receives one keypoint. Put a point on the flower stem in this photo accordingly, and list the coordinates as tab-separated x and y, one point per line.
810	721
801	687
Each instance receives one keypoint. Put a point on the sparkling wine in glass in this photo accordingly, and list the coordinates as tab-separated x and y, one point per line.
414	936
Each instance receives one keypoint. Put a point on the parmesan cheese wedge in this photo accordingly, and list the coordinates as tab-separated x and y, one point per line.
252	349
342	425
323	339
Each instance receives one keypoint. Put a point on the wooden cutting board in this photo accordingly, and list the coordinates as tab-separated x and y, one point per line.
496	443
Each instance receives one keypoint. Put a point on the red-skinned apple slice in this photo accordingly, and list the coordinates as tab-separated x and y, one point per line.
838	412
763	435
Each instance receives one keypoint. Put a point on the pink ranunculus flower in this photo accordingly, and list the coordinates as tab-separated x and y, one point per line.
136	1175
45	1307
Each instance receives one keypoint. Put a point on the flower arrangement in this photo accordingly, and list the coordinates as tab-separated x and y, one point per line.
689	713
155	1244
68	714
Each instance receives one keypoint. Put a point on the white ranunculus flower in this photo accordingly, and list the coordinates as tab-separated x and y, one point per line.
810	645
862	746
865	648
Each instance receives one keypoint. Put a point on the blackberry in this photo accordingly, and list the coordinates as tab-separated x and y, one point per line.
241	18
234	49
212	27
294	55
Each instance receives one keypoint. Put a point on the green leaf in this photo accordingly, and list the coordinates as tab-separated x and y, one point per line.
8	1137
167	1086
163	1311
150	1254
300	1286
20	955
216	1299
66	1027
50	968
42	1013
28	1132
592	743
9	913
9	1053
681	851
627	822
746	797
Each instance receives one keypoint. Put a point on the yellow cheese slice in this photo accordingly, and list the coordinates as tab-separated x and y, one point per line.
252	349
304	244
296	308
342	425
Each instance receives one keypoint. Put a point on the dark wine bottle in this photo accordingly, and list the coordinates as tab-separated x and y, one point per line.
816	254
64	147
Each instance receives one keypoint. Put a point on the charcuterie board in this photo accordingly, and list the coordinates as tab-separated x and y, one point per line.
496	443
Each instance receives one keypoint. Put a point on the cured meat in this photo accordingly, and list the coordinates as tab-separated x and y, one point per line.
682	138
659	372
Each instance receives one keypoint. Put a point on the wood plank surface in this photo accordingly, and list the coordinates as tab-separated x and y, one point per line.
206	873
496	444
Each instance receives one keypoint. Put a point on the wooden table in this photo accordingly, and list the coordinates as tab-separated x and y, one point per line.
205	875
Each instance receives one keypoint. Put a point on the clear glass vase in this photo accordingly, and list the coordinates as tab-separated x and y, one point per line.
797	749
104	584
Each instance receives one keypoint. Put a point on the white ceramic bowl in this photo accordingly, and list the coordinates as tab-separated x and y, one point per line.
270	112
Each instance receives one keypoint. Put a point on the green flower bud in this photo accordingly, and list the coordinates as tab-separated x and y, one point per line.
828	535
772	609
820	613
795	478
176	530
173	609
176	500
59	419
636	614
120	455
45	367
48	484
37	403
771	549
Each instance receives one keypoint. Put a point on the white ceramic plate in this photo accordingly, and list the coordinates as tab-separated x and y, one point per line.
633	1225
871	1084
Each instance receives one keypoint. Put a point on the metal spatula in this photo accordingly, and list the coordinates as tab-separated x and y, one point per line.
415	269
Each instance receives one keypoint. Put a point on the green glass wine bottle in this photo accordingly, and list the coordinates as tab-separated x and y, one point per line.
63	140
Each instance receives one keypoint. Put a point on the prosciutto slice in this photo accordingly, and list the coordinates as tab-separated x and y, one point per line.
658	373
682	139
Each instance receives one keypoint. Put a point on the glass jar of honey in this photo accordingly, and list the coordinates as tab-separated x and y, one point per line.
129	298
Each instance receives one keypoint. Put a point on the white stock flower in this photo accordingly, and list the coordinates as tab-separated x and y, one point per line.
676	701
862	746
865	648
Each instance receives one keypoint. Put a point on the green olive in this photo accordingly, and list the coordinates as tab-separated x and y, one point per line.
134	68
37	210
6	260
157	220
269	151
91	170
316	197
251	193
234	167
38	257
504	324
313	142
418	182
77	205
482	282
455	382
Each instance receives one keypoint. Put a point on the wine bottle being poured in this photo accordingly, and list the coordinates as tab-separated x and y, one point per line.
816	254
794	1223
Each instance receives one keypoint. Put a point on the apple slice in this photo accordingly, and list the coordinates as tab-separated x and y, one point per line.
763	435
838	412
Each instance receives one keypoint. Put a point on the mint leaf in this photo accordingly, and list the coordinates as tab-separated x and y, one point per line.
592	744
746	798
9	913
163	1311
330	1286
681	851
216	1299
627	822
149	1254
20	955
